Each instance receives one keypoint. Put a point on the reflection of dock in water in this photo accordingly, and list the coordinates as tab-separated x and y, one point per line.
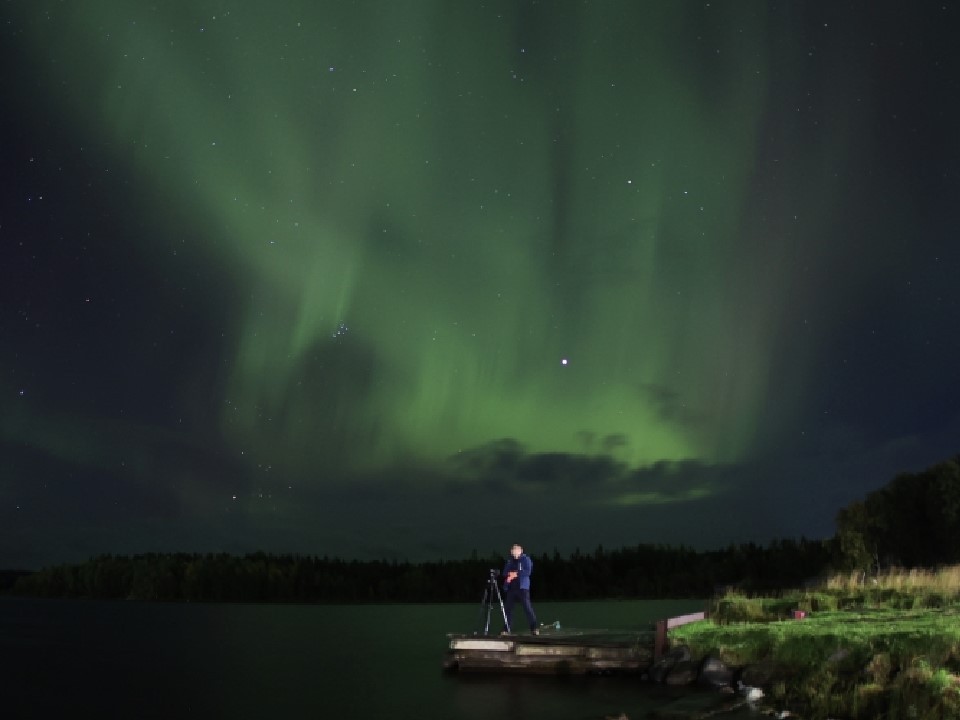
563	652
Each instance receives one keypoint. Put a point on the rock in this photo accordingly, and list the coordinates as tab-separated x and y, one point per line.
661	669
658	673
715	673
751	694
683	673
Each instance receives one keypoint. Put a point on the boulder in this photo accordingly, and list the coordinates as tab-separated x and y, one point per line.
661	669
715	673
683	673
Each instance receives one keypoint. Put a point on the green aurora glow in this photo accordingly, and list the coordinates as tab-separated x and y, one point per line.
586	228
400	183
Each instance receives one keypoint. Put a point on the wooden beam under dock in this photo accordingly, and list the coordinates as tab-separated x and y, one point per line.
563	652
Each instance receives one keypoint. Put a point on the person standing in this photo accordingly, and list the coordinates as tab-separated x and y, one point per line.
516	586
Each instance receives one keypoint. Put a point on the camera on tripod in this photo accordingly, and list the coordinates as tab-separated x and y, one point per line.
491	599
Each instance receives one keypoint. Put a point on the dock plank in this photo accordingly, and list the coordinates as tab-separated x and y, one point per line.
554	652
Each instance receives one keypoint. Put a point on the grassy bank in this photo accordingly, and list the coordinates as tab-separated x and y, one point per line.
883	647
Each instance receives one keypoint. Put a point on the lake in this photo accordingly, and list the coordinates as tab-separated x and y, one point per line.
155	660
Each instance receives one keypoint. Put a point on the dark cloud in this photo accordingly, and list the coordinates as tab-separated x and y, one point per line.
507	466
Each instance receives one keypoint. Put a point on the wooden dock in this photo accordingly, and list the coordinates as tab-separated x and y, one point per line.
563	652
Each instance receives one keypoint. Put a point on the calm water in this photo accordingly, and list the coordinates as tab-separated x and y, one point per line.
146	660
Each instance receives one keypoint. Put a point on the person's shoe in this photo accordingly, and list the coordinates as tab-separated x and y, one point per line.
535	631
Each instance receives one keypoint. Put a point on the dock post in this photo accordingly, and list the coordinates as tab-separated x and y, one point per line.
660	640
660	637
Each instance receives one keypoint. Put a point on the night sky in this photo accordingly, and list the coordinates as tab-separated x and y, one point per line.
408	279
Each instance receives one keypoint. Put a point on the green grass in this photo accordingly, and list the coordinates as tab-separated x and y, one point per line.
886	648
929	633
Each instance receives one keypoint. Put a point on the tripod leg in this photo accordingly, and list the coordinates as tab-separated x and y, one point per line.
503	610
484	609
486	627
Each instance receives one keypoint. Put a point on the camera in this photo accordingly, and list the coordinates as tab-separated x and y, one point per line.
494	573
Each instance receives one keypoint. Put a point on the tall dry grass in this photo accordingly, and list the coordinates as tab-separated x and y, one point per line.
944	580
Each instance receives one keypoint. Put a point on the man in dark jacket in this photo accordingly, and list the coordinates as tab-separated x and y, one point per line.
516	586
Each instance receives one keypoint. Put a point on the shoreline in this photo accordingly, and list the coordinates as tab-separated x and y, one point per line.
857	663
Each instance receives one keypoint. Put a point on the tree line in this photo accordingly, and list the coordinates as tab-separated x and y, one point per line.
913	521
643	571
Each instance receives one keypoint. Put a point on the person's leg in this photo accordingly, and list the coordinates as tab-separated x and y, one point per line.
528	609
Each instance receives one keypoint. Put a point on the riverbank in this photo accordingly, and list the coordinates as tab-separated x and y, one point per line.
885	648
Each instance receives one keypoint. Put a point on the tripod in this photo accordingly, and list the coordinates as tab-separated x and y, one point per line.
491	597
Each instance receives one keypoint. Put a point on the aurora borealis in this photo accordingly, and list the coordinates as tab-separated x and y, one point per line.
407	279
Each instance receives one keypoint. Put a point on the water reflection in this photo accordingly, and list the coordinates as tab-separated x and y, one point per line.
143	660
